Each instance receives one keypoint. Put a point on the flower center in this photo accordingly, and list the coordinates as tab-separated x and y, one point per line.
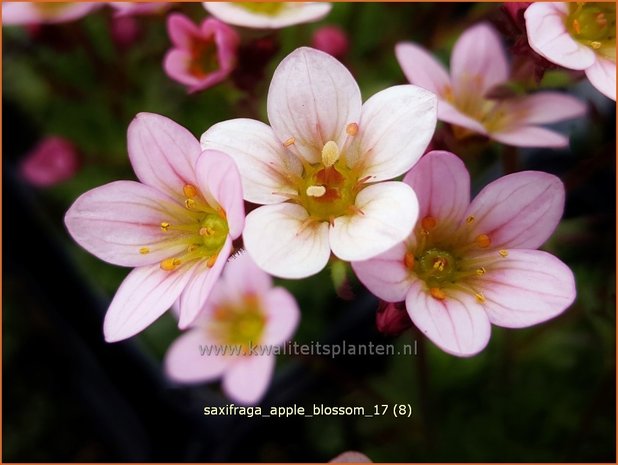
437	267
594	24
240	324
263	8
204	59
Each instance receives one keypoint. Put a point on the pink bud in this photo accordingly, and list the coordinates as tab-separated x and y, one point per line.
53	160
332	40
392	318
125	30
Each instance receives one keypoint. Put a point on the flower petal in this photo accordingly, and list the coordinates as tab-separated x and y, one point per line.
386	276
531	136
247	380
264	164
115	221
194	297
421	68
283	244
292	13
526	288
145	294
389	212
442	185
457	324
218	176
282	314
602	75
181	30
548	36
520	210
395	128
546	107
242	276
312	98
14	13
163	153
185	363
450	114
478	60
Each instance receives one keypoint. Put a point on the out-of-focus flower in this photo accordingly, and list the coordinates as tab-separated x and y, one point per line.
139	8
351	457
318	169
479	65
202	55
27	13
578	35
125	30
392	318
253	58
467	265
267	15
245	319
52	161
175	226
332	40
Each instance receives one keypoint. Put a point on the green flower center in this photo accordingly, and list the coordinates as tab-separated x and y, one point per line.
263	8
240	324
594	25
437	267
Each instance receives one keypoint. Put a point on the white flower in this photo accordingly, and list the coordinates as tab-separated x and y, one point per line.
267	15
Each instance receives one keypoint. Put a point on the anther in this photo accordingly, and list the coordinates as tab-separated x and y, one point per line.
192	247
481	271
170	264
428	223
437	293
480	298
316	191
408	261
351	129
211	261
439	264
503	253
470	219
165	226
330	153
189	190
144	250
483	241
189	203
577	26
595	44
289	142
206	231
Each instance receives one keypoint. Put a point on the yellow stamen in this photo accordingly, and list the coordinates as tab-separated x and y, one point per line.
483	241
470	219
165	226
289	142
480	298
428	223
351	129
189	203
206	231
170	264
595	44
408	261
330	153
437	293
481	271
189	190
439	264
503	253
192	247
316	191
144	250
211	261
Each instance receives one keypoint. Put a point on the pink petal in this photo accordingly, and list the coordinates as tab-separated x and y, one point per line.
548	36
458	324
145	294
124	9
546	107
450	114
242	276
530	136
351	457
264	163
163	153
247	380
116	220
389	212
30	13
176	65
602	75
386	275
182	30
294	13
442	185
283	243
478	60
520	210
421	68
52	161
283	316
194	297
227	40
218	177
185	363
526	288
312	98
395	128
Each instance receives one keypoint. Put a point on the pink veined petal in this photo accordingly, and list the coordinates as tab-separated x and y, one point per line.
242	276
530	136
546	107
247	379
458	324
389	212
163	153
421	68
182	30
450	114
602	75
176	66
185	363
520	210
442	185
549	37
526	288
218	177
395	128
282	315
386	276
145	294
293	13
194	297
115	221
312	98
283	243
478	59
227	40
264	164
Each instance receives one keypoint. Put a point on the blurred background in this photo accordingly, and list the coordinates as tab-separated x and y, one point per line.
543	394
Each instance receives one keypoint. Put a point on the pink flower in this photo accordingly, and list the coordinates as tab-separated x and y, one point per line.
49	12
175	226
267	15
202	56
332	40
139	8
478	65
577	35
469	264
52	161
125	30
245	316
318	169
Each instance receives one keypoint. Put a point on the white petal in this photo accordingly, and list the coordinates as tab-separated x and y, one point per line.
292	13
247	379
602	75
